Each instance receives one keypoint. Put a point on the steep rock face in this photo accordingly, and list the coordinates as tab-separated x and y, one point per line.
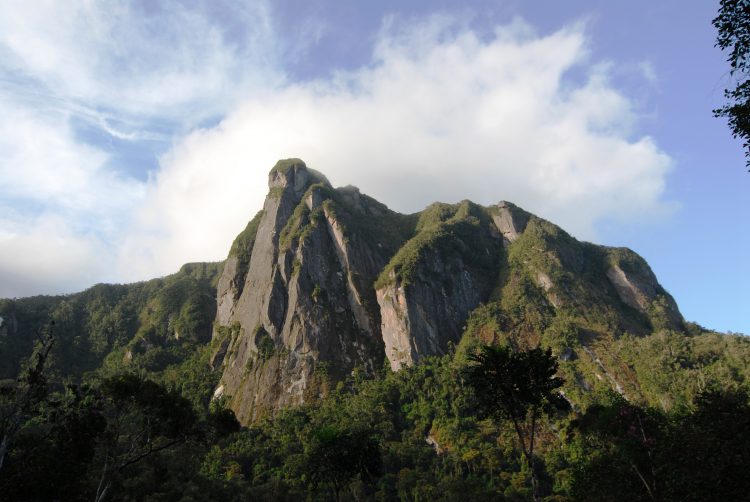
228	290
637	287
436	280
324	280
232	280
306	313
509	219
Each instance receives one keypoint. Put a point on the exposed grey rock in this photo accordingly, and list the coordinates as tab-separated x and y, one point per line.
298	308
217	358
424	316
630	294
544	282
637	287
227	291
307	296
510	220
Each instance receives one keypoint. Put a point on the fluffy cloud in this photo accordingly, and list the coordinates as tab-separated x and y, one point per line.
60	207
77	78
440	114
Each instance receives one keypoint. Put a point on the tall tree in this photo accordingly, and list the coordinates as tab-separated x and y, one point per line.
143	418
520	387
17	404
733	25
335	455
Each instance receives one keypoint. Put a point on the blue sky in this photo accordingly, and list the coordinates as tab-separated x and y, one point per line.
136	135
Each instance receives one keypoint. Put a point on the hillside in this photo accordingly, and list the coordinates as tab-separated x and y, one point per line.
337	325
329	280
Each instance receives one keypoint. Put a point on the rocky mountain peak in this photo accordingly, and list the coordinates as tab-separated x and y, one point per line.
294	173
323	281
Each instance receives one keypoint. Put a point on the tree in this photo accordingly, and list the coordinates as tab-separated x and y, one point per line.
733	25
618	450
143	418
626	452
336	454
517	386
17	404
707	450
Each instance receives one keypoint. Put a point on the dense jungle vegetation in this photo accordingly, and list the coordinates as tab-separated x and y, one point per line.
114	403
152	433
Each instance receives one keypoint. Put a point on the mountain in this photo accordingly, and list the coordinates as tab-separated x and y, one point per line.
160	327
325	283
324	280
343	336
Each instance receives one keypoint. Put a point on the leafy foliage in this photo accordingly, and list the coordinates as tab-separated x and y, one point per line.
459	230
148	326
733	26
626	452
517	386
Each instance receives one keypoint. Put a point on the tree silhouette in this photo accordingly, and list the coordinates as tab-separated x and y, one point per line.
17	404
335	455
517	386
733	25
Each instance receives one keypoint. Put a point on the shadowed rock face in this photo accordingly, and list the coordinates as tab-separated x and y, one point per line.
302	314
324	280
510	220
456	266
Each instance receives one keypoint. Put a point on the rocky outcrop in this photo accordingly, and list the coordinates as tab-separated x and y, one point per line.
228	291
305	313
637	296
431	286
326	280
509	219
232	279
637	287
424	317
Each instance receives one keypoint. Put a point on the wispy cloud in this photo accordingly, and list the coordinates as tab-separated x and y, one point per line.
140	58
439	113
73	75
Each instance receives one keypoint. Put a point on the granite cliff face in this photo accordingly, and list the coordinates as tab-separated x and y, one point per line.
305	312
432	284
323	281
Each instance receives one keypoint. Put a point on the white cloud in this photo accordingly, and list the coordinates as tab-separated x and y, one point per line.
44	165
41	255
60	208
124	68
441	114
141	59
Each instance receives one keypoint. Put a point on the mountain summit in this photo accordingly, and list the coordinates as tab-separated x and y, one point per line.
325	280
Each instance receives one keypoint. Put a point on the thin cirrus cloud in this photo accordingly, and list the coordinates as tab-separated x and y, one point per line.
76	79
139	59
439	113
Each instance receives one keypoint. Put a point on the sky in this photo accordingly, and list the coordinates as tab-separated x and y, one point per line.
136	136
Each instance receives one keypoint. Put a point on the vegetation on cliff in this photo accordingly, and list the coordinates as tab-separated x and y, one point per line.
130	400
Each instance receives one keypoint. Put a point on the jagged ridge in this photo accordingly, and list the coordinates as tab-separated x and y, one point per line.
325	280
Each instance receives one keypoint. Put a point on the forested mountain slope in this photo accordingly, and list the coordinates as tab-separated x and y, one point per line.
338	327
